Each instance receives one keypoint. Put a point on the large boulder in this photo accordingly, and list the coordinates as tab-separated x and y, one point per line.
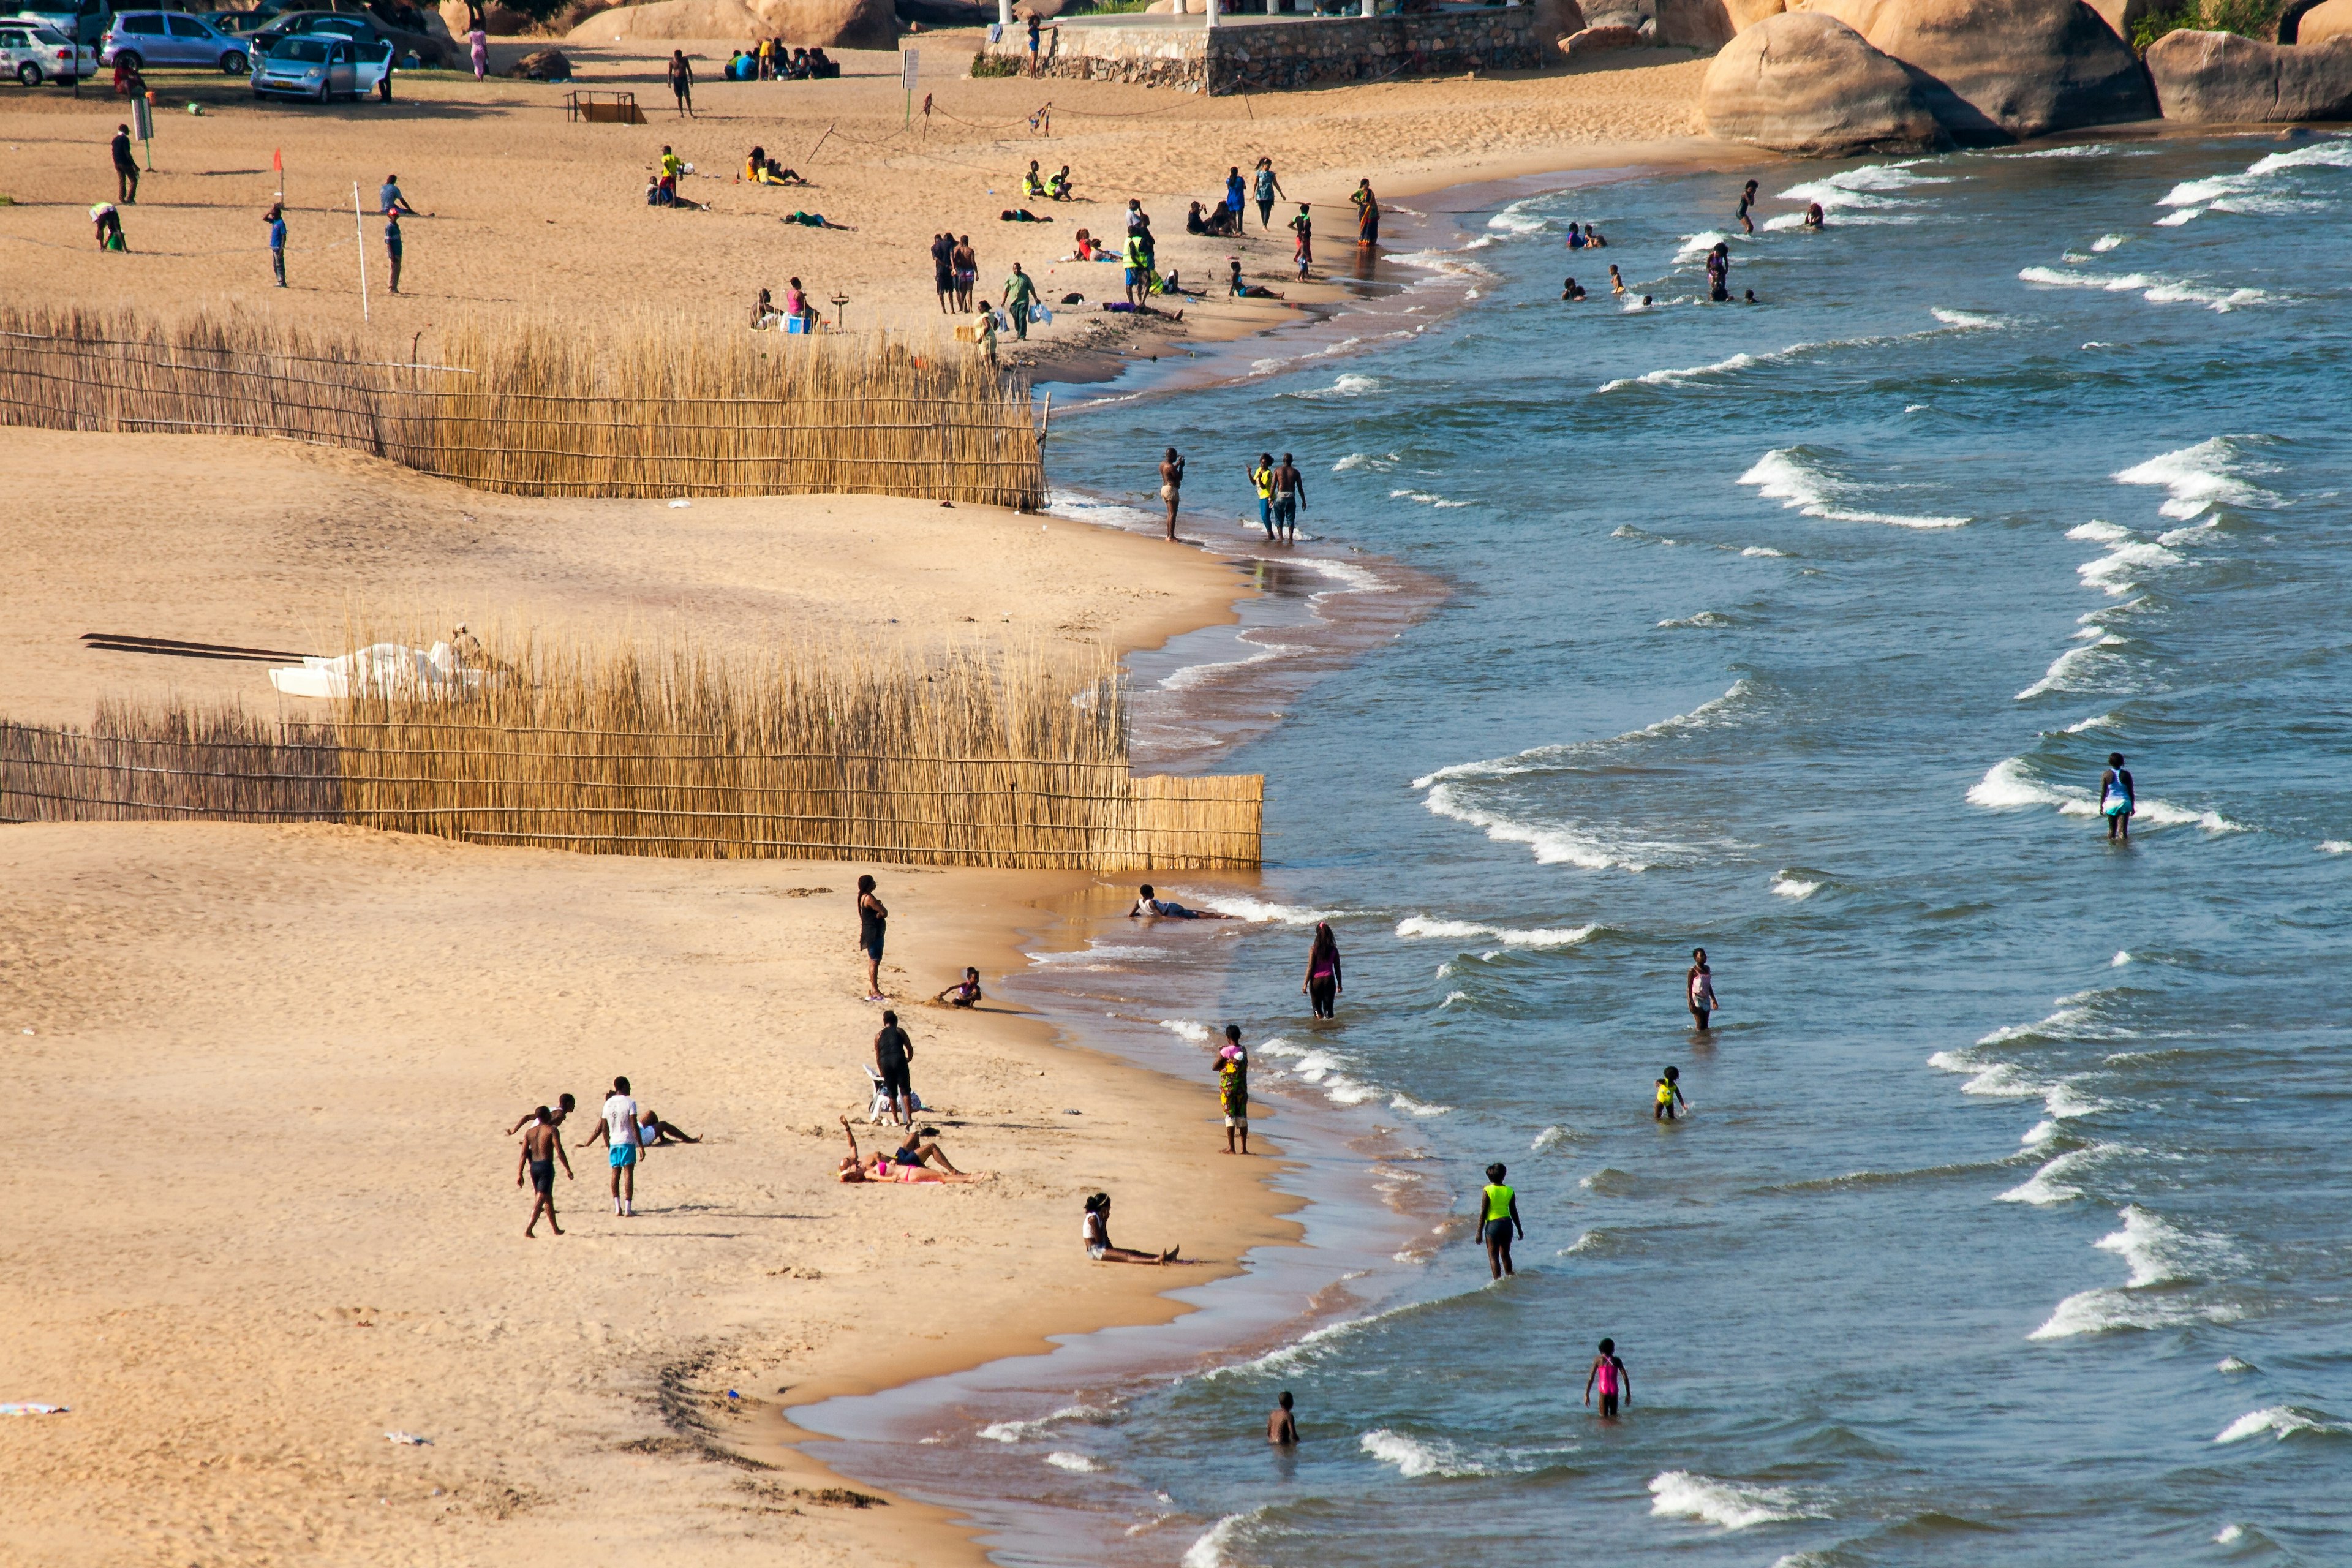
498	21
806	23
1695	24
1994	70
1597	40
2222	78
2123	15
1800	82
1555	20
2328	19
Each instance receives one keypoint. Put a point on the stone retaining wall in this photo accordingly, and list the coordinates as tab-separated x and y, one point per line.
1260	57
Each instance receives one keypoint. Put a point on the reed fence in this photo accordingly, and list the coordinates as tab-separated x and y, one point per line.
653	409
970	761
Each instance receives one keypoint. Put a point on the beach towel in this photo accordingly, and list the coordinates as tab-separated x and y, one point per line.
28	1408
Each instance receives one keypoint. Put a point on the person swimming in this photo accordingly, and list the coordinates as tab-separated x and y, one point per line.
1814	216
1570	291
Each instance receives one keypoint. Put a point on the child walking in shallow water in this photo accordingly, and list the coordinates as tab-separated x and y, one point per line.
1609	1373
1670	1090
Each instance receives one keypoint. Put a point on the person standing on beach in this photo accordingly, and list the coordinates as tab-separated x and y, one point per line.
1236	195
1498	1210
873	925
543	1146
944	271
126	168
1303	226
1171	486
965	262
392	245
1269	189
2117	800
894	1058
1019	291
1670	1090
1135	255
1261	478
1368	214
1698	988
1281	1425
478	48
1289	495
1609	1372
618	1130
1747	200
1233	1086
681	83
1322	984
277	222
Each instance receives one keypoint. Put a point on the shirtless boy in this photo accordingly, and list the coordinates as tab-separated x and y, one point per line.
1281	1425
564	1105
543	1146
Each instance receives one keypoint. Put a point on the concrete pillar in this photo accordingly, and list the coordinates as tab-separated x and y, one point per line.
1215	11
1004	14
1367	7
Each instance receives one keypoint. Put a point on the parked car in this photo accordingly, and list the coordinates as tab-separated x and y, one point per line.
150	38
321	67
420	48
83	21
33	54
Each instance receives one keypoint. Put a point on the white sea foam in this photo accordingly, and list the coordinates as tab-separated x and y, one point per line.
1454	997
2174	220
1786	475
1683	377
1694	246
2007	786
2050	1186
1556	843
2121	958
2229	1535
1790	886
1215	1548
1261	909
1969	320
1413	1107
1765	550
1513	220
1186	1028
2280	1421
2158	1252
2105	532
2095	721
1705	618
2232	1364
1715	710
1413	1456
2336	846
2105	1309
2154	290
1422	926
1427	498
1014	1431
2065	672
1589	1241
1683	1494
1549	1138
1347	385
2117	572
2194	479
2107	242
1079	1462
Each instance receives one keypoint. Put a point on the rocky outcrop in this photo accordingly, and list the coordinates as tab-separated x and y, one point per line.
2328	19
498	21
2222	78
805	23
1994	70
2122	16
1599	40
540	65
1801	82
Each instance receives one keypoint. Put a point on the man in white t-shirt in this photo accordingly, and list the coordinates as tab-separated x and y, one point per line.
619	1133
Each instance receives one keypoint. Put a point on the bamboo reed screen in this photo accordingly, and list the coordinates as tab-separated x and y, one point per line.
652	410
972	760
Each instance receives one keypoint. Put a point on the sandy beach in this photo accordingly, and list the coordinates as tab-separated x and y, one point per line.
534	212
275	1217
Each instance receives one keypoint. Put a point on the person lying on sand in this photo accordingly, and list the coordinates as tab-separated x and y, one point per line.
1148	906
814	220
1097	1230
884	1169
922	1148
652	1131
564	1106
963	993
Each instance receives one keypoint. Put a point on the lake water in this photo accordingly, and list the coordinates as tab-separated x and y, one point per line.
2009	1221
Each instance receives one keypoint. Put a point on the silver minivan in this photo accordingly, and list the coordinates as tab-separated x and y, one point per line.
150	38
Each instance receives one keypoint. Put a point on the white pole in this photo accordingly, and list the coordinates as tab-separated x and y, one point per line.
1367	7
1214	12
358	228
1004	13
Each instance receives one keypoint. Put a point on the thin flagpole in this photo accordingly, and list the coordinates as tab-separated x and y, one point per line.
359	227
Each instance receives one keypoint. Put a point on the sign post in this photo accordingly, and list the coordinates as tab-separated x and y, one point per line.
142	125
908	61
359	227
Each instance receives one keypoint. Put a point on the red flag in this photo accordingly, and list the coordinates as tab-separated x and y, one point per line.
278	160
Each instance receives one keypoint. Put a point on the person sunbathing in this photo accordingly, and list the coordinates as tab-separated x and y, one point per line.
1020	214
883	1168
963	993
1096	1228
922	1148
814	220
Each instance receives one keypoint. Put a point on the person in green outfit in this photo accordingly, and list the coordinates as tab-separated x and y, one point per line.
1018	293
1498	1217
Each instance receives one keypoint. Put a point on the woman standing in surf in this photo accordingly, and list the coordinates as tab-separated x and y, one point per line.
1322	984
1698	987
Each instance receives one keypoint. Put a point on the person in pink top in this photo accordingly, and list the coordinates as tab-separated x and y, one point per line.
1609	1373
1322	983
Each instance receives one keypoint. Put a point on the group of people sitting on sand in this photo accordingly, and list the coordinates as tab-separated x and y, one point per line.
768	61
768	316
1055	189
762	169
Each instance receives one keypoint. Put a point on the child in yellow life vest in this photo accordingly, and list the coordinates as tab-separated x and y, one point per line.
1498	1216
1670	1090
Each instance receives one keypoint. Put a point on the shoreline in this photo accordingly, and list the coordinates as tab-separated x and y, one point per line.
870	1434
